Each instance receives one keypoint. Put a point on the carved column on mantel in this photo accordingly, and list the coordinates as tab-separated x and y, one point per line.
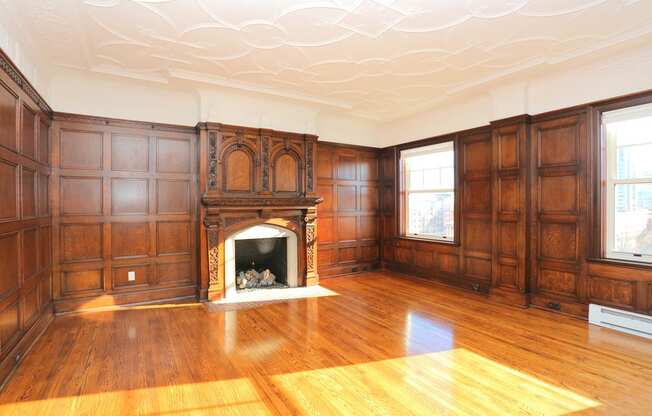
215	283
310	221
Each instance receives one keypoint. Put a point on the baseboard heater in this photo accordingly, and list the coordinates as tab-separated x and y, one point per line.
619	320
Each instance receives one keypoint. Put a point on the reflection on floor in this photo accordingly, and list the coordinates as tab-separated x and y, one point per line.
382	345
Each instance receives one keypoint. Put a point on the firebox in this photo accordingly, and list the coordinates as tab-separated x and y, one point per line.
261	263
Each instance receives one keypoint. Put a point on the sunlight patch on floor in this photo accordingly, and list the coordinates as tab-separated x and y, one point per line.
452	382
224	397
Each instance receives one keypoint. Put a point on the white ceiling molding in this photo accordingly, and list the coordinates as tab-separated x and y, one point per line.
378	59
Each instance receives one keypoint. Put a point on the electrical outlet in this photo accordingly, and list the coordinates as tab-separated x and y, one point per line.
131	276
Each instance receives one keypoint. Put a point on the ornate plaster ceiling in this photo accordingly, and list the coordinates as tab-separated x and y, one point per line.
376	58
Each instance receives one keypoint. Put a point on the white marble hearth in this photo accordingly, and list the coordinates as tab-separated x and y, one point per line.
269	295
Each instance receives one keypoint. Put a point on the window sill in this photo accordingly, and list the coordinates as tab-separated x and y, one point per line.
428	240
621	262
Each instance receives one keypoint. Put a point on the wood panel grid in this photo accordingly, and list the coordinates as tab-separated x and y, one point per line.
349	218
119	189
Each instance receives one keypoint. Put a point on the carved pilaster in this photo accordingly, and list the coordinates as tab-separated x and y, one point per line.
213	239
265	162
212	161
310	220
309	168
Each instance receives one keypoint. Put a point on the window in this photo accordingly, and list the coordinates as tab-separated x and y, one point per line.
428	191
627	139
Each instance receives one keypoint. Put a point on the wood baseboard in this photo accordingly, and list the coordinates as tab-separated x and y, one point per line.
477	286
90	303
509	297
334	271
18	353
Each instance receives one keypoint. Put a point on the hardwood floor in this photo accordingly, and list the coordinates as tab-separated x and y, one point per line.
381	344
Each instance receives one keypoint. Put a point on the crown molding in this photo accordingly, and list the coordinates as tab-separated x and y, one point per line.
9	68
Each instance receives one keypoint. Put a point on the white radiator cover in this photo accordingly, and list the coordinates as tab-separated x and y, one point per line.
620	320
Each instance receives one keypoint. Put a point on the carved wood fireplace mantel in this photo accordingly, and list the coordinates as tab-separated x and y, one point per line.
252	177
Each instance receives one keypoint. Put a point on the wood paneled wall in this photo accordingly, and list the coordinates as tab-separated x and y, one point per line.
529	213
125	199
467	263
25	221
349	227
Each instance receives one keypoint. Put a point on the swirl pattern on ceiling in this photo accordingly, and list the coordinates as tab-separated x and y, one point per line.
373	58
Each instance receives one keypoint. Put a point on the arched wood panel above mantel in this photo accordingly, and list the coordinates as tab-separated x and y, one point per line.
238	172
286	173
256	162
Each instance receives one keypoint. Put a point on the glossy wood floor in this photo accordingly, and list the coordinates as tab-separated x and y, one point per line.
380	345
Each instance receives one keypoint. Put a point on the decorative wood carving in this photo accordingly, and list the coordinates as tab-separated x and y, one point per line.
255	174
309	168
213	256
265	162
8	68
212	161
311	246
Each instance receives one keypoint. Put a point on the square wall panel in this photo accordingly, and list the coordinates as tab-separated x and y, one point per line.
30	307
129	196
9	186
368	228
29	254
129	239
173	155
173	238
29	193
8	101
43	202
368	198
346	167
9	263
81	282
81	242
9	323
120	276
347	229
325	230
43	143
45	287
81	150
81	196
326	192
45	247
28	136
129	153
558	145
368	168
174	273
346	197
558	241
324	165
173	197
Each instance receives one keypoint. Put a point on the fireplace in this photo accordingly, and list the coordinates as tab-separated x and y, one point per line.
258	184
269	247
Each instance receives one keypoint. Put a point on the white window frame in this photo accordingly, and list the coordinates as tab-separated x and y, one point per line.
610	180
424	150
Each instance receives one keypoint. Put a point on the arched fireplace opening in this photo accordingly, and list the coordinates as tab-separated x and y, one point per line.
255	253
